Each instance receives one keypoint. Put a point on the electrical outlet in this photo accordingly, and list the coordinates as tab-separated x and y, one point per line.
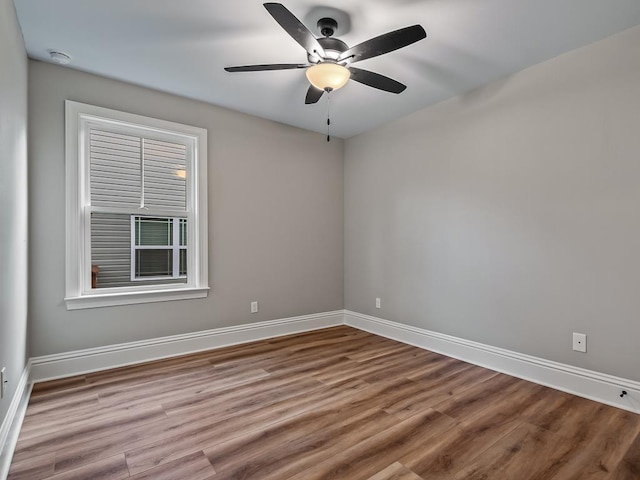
377	303
580	342
254	307
3	381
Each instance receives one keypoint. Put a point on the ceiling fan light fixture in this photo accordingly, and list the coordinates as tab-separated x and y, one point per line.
328	75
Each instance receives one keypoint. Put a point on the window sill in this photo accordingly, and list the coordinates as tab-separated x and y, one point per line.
131	298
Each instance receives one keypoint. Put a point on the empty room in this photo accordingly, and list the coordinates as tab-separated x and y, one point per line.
357	240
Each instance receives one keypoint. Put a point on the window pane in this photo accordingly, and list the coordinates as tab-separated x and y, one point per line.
183	232
154	263
111	255
183	261
165	173
111	249
114	169
154	231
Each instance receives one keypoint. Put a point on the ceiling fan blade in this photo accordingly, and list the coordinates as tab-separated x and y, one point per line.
385	43
295	28
313	95
261	68
376	80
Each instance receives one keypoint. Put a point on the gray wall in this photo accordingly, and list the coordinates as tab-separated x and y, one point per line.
511	215
275	226
13	198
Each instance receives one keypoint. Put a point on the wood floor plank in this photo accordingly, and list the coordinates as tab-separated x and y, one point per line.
138	376
288	405
178	374
77	420
190	467
517	455
112	468
85	400
310	366
481	422
455	448
431	394
262	392
438	372
241	423
64	384
629	467
378	349
32	468
337	403
168	391
82	452
370	456
354	369
395	471
571	416
397	364
485	397
138	372
228	421
284	449
599	446
334	433
106	426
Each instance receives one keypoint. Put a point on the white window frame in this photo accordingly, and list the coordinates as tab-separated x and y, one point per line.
175	248
79	118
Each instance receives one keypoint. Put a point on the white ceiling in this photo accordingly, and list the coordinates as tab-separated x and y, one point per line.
181	46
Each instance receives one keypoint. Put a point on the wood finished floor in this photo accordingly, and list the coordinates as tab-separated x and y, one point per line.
333	404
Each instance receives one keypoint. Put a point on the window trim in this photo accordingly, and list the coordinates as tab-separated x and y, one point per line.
78	292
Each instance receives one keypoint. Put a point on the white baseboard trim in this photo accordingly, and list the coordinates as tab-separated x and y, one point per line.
585	383
79	362
12	423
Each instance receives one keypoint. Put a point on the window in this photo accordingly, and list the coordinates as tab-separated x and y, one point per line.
158	248
136	209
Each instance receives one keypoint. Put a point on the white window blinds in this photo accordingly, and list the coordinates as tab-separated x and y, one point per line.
164	175
129	171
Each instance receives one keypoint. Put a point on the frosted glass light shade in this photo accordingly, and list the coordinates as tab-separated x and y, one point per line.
328	75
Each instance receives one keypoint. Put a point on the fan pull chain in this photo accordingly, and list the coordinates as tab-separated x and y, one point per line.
328	114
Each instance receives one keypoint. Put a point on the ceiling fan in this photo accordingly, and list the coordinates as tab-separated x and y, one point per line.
329	60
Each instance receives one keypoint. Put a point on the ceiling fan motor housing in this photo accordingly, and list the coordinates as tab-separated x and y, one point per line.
333	47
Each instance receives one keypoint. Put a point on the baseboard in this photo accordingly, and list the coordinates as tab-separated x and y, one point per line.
79	362
577	381
589	384
12	423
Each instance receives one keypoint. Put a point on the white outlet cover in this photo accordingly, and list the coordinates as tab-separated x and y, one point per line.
580	342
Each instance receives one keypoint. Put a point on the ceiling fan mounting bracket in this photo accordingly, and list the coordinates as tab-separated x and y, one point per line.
327	26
